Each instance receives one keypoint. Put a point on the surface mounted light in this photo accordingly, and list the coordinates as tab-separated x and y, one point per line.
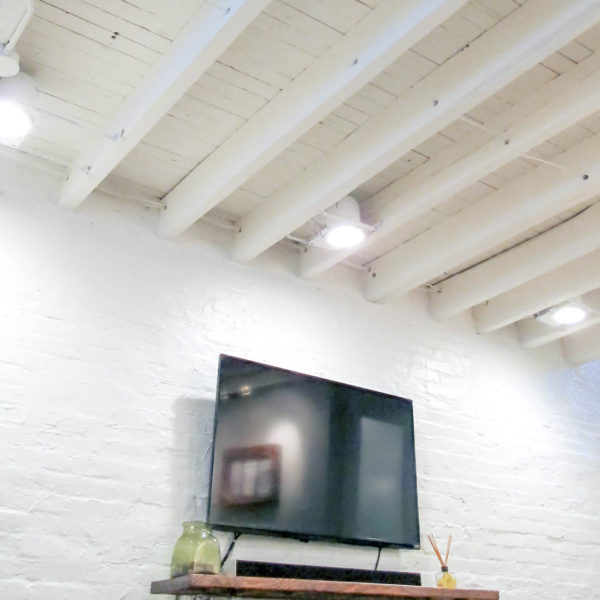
569	314
347	230
344	235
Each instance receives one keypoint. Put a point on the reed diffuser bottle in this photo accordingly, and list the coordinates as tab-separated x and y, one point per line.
444	579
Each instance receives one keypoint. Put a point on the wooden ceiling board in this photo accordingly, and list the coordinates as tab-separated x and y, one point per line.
69	40
40	49
298	28
589	39
340	15
104	35
124	30
165	21
228	74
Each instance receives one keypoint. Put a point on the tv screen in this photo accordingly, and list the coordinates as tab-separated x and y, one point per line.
300	456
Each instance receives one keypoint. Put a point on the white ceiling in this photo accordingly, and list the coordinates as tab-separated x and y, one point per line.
468	131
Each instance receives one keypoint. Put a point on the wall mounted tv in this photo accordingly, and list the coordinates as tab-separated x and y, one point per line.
304	457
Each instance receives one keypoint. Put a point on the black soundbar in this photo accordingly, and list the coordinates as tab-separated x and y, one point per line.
251	568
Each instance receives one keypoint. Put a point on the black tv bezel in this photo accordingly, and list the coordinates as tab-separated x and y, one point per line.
378	543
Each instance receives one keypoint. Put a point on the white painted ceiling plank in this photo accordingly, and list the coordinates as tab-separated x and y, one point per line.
569	99
203	39
112	24
88	29
348	65
69	59
70	40
145	17
531	33
341	15
566	242
72	88
570	280
530	199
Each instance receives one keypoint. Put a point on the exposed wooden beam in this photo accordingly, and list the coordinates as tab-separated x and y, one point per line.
525	37
570	280
583	346
550	250
534	333
519	205
376	41
203	39
555	106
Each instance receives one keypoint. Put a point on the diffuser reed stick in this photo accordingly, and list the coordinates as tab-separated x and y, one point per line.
435	549
443	562
448	550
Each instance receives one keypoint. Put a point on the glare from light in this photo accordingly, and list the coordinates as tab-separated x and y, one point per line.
15	123
345	235
569	314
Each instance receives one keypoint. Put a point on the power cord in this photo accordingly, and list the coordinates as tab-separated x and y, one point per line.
236	535
378	557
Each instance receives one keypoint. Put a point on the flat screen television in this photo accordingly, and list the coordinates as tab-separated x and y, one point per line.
299	456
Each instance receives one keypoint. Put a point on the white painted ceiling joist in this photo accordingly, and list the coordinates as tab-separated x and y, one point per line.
526	36
550	250
583	346
376	41
563	101
214	27
573	279
534	333
523	203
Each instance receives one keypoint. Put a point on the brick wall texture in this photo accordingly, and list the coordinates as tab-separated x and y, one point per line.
110	339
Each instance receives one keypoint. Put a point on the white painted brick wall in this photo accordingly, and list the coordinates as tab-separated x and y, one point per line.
108	367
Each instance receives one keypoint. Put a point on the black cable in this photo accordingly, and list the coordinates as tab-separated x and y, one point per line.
236	535
378	557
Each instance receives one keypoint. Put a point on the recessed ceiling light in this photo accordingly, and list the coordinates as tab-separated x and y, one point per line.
344	235
569	314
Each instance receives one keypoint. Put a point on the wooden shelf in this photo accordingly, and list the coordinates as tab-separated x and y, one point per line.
306	589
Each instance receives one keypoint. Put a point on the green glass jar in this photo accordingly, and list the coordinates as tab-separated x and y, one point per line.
196	551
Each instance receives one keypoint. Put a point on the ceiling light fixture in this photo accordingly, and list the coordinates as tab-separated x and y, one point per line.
345	235
346	230
567	313
15	123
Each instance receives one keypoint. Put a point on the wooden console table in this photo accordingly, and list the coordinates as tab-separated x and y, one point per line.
306	589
